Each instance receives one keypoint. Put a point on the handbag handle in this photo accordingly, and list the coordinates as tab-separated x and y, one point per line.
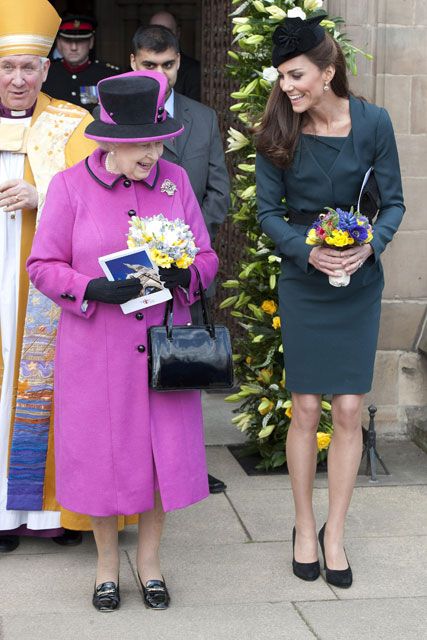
207	321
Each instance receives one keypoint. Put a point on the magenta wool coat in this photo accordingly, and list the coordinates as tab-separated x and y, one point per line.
115	438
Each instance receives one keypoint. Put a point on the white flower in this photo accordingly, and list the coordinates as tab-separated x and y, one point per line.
312	5
236	140
276	12
270	74
296	12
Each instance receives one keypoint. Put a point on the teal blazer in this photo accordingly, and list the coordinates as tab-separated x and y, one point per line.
307	188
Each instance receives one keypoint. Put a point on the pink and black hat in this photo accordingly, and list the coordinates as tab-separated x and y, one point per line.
133	109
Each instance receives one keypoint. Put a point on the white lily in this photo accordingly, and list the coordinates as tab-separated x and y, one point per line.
236	140
312	5
259	6
296	12
276	12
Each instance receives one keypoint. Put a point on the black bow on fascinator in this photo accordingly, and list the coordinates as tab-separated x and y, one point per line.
296	36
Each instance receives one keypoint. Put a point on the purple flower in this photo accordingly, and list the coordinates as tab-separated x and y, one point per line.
358	233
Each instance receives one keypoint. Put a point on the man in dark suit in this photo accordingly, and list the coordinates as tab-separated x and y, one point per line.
188	82
199	149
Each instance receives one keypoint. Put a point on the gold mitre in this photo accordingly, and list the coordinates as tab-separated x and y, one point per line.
27	27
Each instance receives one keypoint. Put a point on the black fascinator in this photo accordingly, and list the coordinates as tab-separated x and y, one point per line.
296	36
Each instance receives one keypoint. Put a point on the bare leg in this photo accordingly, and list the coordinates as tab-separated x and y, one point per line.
106	538
301	454
149	535
344	456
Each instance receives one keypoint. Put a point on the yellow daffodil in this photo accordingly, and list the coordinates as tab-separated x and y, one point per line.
248	359
288	411
264	375
323	440
312	237
184	262
276	322
160	258
339	238
269	306
265	406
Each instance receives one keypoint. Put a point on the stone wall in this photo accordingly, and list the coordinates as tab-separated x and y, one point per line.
395	32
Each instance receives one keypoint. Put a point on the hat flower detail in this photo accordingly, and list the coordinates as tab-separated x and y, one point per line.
294	36
168	187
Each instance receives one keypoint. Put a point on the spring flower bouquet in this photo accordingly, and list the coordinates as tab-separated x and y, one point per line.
169	242
340	229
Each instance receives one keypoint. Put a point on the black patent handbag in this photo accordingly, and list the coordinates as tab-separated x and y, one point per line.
190	356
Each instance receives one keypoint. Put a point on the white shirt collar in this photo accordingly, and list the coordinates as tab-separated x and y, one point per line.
170	104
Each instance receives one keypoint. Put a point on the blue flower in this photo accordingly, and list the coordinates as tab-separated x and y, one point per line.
347	220
359	233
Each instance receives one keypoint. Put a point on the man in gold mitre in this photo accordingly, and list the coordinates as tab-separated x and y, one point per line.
39	136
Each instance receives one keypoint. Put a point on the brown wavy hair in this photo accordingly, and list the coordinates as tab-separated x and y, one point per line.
276	137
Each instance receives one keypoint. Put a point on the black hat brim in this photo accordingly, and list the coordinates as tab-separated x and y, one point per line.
105	132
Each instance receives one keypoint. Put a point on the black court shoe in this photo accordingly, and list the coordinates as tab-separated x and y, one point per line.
106	596
216	485
305	570
8	543
155	594
342	578
69	538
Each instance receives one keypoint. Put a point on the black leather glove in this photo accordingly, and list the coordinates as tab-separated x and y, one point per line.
116	292
175	277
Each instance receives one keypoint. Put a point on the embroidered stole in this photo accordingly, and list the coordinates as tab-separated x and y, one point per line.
46	143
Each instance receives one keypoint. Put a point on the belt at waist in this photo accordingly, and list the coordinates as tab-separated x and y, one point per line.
309	218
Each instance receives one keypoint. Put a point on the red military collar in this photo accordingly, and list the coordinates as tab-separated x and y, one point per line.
79	68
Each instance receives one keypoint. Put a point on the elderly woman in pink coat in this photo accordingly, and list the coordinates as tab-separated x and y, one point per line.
120	447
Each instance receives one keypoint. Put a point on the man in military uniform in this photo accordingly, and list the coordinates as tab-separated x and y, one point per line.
74	77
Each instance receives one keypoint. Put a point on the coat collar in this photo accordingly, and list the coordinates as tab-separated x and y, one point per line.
95	164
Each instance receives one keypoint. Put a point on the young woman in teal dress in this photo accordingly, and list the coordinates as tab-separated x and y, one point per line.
315	144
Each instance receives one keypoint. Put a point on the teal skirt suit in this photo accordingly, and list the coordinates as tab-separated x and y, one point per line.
330	333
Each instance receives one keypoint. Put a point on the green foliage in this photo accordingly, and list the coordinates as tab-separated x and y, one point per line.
265	405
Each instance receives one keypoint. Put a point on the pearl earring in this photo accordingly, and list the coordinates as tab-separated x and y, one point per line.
325	87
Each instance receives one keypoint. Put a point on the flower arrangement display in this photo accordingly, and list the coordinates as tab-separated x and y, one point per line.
169	242
265	410
340	229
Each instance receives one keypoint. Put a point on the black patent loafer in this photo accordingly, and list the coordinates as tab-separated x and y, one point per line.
106	596
308	571
8	543
69	538
342	578
155	594
216	485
